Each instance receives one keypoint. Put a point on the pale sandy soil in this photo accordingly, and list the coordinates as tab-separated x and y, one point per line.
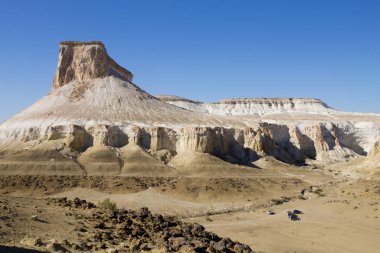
327	225
346	219
343	216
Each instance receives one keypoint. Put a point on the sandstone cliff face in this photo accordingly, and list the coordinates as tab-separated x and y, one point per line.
84	61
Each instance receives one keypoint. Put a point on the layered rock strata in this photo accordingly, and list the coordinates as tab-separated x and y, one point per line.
84	61
251	106
95	111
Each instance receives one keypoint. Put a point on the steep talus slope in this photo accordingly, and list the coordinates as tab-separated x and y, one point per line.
107	100
41	162
204	164
101	160
138	162
97	120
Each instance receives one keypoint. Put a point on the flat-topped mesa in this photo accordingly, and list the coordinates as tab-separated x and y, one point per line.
83	61
251	106
168	98
272	101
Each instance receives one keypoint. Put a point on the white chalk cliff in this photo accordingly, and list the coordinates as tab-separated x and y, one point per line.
252	106
94	108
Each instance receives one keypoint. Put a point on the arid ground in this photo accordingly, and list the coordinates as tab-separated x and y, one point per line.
340	206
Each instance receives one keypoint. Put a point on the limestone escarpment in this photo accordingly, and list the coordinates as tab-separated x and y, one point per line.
100	122
251	106
295	145
84	61
73	136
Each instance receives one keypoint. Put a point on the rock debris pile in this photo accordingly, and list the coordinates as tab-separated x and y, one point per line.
141	231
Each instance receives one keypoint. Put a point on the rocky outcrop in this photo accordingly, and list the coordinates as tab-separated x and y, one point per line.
105	135
323	139
158	146
128	227
162	138
259	141
329	144
72	136
198	139
94	105
84	61
375	151
303	142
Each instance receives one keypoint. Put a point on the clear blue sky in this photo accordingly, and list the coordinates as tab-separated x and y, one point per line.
205	50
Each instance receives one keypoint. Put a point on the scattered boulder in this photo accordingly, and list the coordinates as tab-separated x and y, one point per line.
142	231
56	247
31	241
120	230
76	203
279	201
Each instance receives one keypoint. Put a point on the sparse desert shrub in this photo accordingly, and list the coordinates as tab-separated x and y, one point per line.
208	218
279	201
302	197
107	204
276	201
318	191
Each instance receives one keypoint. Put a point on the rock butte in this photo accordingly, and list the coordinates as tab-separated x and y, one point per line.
84	61
94	110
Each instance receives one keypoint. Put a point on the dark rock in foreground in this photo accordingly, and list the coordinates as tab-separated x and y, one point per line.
141	231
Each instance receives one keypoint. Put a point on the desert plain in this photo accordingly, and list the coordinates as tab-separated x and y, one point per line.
99	165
